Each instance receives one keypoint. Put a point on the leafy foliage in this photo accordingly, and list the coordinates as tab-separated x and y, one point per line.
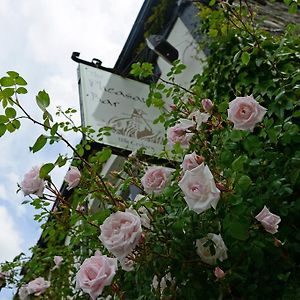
251	169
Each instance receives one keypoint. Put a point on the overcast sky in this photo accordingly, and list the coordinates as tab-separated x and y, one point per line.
37	40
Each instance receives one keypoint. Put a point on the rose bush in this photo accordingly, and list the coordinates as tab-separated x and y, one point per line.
185	250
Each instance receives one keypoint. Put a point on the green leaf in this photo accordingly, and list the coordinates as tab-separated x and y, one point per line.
10	127
16	123
46	169
104	155
53	129
236	56
238	163
222	107
39	144
237	230
20	81
293	8
21	90
43	100
3	119
213	32
245	58
10	112
7	81
13	74
244	182
8	92
2	129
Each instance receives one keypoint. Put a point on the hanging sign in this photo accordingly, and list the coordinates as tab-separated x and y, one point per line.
110	100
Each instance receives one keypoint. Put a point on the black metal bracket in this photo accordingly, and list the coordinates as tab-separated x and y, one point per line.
96	63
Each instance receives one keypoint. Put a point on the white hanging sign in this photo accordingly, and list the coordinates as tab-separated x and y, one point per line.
110	100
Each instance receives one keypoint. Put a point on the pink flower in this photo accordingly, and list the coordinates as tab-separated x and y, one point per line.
199	188
207	105
57	260
203	249
72	177
191	161
268	220
23	292
32	183
95	273
155	179
38	286
121	232
245	112
219	273
180	133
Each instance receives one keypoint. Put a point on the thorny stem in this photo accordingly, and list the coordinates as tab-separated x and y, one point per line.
175	84
99	179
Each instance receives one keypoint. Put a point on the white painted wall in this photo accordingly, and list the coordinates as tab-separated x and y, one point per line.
189	54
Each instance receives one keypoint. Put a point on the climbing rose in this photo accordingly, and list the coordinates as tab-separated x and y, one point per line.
181	133
38	286
121	232
219	273
203	250
245	112
23	292
95	273
32	183
191	161
268	220
155	179
72	177
199	188
207	105
57	260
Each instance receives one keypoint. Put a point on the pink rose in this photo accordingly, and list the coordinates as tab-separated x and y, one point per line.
23	292
155	179
199	188
207	105
72	177
121	232
95	273
191	161
245	112
219	273
203	249
181	133
268	220
38	286
32	183
57	260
